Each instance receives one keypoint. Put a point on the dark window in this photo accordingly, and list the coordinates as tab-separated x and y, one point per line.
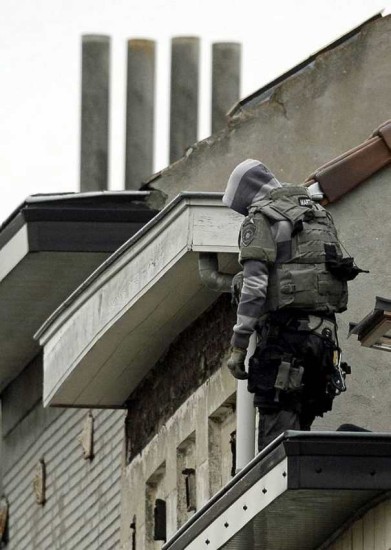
232	442
133	528
159	513
190	480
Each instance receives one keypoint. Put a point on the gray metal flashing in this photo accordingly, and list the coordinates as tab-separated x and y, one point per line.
266	91
317	463
49	198
181	197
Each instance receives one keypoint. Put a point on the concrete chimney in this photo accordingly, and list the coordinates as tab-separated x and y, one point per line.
226	70
95	113
184	95
140	109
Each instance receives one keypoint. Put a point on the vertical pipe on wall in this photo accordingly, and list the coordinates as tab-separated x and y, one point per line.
140	109
225	81
94	113
245	417
184	95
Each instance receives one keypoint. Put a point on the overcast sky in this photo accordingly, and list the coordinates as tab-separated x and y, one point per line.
40	61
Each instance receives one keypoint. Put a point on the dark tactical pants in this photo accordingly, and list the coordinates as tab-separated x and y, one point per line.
291	410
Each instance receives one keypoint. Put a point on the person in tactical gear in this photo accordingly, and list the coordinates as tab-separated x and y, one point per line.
293	282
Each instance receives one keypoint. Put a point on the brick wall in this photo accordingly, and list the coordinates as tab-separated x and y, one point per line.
189	362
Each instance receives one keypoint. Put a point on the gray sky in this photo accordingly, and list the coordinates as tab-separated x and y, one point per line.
40	60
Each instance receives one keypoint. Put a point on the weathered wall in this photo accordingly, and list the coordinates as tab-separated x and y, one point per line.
315	115
197	436
82	496
189	362
362	220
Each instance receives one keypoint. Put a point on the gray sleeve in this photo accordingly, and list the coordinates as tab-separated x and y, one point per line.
252	301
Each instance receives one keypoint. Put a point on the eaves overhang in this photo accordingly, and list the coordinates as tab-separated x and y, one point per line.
106	337
301	490
48	246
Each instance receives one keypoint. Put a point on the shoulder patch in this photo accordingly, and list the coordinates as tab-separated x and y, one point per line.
248	233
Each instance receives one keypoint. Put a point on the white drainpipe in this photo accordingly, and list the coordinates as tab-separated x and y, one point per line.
245	412
245	417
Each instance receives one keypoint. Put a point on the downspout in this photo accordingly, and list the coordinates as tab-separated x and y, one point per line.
208	267
245	413
245	416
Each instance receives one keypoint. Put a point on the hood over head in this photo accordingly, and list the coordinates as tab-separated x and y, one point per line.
249	182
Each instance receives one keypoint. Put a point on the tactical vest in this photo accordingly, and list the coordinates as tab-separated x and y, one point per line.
298	277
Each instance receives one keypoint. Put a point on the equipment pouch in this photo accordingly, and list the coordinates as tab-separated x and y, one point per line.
283	375
262	374
288	377
343	269
295	378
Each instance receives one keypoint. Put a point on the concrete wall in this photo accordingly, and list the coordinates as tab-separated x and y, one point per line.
181	417
197	437
362	220
82	505
318	113
189	362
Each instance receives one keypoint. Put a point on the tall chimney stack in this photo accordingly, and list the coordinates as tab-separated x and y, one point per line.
140	109
95	113
184	95
225	81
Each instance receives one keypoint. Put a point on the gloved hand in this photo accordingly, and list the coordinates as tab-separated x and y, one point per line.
236	363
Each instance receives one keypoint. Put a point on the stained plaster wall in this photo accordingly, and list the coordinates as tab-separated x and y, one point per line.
158	462
183	411
328	107
191	359
362	220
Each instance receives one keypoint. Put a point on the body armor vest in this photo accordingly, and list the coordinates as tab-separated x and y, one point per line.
299	276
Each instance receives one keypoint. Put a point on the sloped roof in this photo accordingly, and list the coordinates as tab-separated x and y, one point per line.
342	174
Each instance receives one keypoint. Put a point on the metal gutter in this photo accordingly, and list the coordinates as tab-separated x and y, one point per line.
56	197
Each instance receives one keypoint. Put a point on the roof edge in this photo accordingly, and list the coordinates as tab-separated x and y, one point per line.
235	109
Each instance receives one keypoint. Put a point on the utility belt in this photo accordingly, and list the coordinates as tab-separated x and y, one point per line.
323	325
277	374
